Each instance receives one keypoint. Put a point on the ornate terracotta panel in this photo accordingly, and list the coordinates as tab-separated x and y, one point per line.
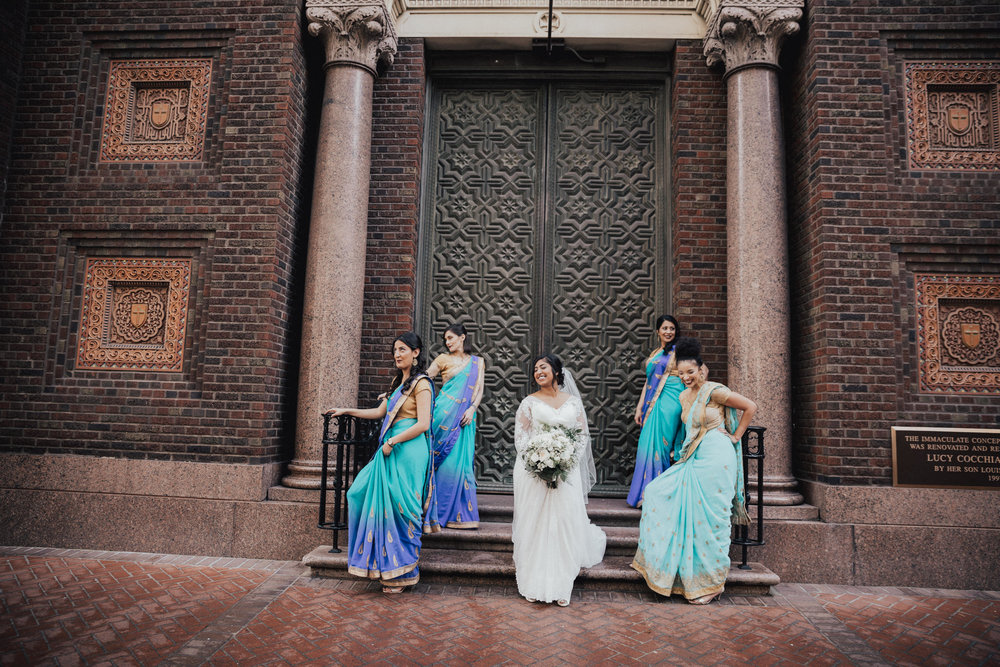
958	333
953	115
134	314
156	110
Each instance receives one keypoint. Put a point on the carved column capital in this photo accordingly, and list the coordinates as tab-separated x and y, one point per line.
355	32
750	32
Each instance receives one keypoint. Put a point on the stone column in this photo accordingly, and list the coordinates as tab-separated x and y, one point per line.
746	36
358	36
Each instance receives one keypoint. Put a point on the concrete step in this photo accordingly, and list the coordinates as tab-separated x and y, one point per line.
496	536
499	507
462	567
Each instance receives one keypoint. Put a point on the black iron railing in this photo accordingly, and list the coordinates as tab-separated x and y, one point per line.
753	450
354	441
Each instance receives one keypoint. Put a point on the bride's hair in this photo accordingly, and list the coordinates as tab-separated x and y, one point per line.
553	361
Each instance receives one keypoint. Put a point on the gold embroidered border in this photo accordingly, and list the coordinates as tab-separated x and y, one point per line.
953	115
958	333
156	110
134	314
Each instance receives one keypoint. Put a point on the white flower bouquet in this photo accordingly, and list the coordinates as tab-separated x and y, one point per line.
551	453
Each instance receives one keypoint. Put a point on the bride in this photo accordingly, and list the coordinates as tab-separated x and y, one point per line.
552	534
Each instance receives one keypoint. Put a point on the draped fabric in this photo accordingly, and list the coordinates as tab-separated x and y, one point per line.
684	533
454	449
662	428
552	534
391	503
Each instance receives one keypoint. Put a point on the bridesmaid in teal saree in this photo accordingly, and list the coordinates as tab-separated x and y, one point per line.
684	533
453	429
658	411
390	503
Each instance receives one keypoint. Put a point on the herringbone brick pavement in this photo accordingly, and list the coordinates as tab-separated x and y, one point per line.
100	608
70	611
921	630
310	626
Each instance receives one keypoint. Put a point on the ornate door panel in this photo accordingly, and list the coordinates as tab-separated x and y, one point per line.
543	215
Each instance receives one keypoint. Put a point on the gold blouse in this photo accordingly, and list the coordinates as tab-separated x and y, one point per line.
408	410
713	411
449	365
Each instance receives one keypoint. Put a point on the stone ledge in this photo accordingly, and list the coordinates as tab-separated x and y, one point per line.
137	477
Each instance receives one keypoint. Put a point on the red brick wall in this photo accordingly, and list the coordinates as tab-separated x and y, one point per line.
861	222
698	178
13	21
235	215
390	274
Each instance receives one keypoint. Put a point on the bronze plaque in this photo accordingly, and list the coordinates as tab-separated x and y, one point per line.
946	458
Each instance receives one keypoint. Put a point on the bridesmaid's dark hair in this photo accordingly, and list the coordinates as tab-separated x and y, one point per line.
688	349
677	328
459	330
553	361
411	340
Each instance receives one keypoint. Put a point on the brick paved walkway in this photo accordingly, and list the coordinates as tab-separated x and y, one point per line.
66	607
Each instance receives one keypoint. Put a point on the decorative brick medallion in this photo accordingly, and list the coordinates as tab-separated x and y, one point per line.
958	333
134	314
953	115
156	110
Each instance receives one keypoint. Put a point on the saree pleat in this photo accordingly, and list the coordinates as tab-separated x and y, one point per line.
662	427
454	448
386	508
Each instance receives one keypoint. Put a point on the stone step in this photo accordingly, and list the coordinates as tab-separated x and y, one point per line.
499	508
496	536
476	568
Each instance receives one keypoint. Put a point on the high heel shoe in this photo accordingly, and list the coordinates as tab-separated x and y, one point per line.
705	599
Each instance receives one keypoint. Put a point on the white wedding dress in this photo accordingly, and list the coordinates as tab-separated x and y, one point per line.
552	534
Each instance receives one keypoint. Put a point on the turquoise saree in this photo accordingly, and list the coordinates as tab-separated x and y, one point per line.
684	533
455	448
390	505
662	428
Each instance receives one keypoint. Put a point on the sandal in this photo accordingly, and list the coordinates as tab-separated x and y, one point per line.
392	590
705	599
562	603
530	599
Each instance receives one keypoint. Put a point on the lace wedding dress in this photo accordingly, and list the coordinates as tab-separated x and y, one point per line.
552	534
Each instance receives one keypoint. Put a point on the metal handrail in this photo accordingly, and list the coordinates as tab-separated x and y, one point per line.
356	440
753	449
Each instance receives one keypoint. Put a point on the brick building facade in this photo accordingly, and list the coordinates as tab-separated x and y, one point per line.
174	437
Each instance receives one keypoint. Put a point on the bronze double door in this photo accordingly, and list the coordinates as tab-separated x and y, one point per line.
544	229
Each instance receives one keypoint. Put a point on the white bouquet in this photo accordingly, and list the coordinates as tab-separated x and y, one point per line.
551	453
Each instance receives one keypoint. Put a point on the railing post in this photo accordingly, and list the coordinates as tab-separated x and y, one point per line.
752	448
355	441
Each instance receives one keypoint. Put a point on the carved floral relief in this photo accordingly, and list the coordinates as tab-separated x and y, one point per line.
156	110
134	314
958	333
953	115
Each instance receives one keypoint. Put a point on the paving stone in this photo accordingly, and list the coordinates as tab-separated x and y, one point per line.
146	609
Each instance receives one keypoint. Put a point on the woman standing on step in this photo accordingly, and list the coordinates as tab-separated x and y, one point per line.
552	534
684	533
453	429
390	502
658	411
